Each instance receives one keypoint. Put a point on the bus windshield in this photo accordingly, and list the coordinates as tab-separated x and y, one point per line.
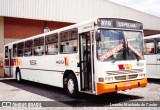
118	45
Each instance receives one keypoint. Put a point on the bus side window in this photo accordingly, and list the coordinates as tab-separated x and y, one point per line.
28	48
158	45
74	39
14	50
51	44
20	47
68	41
149	47
38	46
6	51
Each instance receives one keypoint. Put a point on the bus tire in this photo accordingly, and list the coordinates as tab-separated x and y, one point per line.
18	76
72	86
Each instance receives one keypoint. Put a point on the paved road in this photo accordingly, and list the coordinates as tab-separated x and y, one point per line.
10	90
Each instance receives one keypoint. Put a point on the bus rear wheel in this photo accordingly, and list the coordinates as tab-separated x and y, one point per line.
72	86
18	76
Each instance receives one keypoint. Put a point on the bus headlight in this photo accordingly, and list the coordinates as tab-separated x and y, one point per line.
109	78
142	75
100	79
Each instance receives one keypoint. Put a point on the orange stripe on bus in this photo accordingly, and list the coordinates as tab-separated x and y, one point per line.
14	62
6	62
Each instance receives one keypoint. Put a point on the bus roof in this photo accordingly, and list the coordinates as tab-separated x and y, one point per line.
152	36
55	31
64	28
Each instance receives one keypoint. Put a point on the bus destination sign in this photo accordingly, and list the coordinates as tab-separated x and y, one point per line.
129	25
119	23
106	23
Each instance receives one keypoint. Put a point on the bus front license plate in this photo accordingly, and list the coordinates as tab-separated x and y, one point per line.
127	84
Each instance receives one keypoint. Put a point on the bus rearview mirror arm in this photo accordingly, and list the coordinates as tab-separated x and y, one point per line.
98	38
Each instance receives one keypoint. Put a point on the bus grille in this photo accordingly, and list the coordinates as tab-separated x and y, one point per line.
120	72
133	76
120	77
126	77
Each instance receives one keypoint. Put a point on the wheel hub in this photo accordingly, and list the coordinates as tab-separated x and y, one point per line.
18	77
70	85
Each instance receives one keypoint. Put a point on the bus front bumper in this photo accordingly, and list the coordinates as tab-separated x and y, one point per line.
114	87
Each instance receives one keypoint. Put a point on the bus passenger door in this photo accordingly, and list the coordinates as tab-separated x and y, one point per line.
10	63
157	55
86	61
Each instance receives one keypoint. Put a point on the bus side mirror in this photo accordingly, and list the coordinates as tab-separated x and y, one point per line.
98	38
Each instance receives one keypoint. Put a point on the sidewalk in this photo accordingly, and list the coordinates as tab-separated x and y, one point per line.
1	79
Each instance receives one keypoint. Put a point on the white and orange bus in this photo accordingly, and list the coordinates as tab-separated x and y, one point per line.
97	56
152	56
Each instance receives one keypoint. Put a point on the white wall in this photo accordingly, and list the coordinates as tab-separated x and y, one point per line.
73	11
9	40
1	34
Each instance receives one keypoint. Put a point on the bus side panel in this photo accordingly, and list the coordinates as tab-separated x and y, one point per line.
151	66
158	66
6	71
44	77
48	69
59	64
36	69
14	72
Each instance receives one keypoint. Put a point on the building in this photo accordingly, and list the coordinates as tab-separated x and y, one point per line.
24	18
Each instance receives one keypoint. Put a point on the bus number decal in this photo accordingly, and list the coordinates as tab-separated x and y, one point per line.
140	64
125	66
33	62
63	61
106	23
60	62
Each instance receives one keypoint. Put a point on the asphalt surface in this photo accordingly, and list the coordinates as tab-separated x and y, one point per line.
10	90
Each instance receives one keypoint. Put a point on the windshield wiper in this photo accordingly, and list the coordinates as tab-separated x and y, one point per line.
137	57
124	50
127	50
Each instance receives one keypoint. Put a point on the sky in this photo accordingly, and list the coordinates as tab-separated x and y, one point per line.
148	6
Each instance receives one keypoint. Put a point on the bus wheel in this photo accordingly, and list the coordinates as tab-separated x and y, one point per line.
18	76
72	86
